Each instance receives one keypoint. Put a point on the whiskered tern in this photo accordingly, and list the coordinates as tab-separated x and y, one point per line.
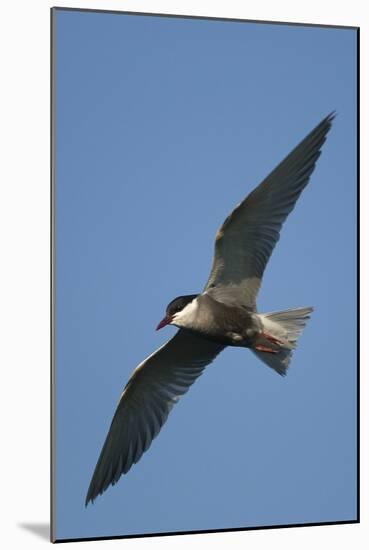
223	314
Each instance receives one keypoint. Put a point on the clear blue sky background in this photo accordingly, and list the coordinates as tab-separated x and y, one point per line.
162	126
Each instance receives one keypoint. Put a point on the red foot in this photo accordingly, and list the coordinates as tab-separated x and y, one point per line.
264	348
272	339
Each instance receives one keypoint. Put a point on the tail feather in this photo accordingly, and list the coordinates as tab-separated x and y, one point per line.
286	326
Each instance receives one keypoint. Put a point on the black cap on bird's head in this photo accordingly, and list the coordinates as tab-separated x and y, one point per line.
175	306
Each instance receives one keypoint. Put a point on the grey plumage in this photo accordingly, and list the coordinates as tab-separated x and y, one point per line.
154	387
248	236
224	314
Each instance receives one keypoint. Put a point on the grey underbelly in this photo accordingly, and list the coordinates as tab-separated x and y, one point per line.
226	325
228	337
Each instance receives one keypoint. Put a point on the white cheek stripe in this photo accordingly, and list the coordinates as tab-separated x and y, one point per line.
187	315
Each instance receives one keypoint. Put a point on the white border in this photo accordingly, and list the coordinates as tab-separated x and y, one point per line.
24	221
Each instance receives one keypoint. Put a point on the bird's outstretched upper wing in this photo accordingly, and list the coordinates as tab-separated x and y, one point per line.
154	387
246	239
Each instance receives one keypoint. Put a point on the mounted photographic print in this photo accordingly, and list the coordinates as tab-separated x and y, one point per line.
204	258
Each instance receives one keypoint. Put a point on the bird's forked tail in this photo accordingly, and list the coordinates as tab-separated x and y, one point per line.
280	332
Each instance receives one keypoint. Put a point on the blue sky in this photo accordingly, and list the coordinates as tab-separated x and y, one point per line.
162	127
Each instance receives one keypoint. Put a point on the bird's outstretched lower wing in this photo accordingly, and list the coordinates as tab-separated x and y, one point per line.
154	387
248	236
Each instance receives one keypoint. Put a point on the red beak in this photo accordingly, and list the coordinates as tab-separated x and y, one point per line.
164	322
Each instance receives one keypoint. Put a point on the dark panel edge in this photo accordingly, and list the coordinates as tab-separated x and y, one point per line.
358	265
203	17
52	280
211	531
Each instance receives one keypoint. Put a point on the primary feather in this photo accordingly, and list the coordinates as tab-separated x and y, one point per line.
154	387
248	236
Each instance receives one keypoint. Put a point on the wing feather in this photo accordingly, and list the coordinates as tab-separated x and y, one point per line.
248	236
148	397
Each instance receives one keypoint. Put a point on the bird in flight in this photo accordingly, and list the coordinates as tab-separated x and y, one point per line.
223	314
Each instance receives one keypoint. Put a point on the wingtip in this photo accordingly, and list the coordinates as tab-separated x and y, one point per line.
324	127
90	497
94	492
331	116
